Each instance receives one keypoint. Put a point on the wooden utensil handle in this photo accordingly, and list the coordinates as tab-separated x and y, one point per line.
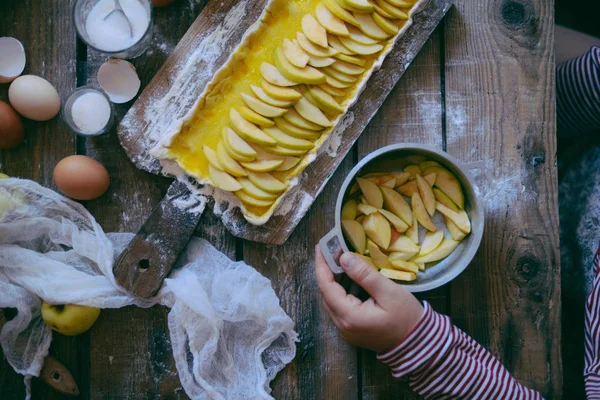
150	256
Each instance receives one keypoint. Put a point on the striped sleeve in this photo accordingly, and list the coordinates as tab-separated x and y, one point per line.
441	361
591	372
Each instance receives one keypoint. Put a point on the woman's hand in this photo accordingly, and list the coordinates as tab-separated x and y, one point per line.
379	323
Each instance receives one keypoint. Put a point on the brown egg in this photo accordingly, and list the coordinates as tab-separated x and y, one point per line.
161	3
11	127
81	177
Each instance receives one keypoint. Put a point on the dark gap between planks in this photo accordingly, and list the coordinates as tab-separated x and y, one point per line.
82	77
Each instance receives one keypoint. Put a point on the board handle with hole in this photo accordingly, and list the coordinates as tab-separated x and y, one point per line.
150	256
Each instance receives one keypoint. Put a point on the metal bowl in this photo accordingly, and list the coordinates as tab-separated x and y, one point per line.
392	159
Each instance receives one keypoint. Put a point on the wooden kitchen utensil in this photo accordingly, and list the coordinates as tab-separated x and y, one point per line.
54	373
151	256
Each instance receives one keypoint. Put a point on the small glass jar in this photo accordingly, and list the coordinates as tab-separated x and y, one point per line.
108	34
68	117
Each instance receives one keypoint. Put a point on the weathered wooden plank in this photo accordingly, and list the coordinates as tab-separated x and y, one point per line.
48	35
325	367
500	109
130	348
412	113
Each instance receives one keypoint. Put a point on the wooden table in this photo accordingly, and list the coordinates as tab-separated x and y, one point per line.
482	89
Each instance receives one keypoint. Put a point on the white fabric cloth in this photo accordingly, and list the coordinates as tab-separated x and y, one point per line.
230	336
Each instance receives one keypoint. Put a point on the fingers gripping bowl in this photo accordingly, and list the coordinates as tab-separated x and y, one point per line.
395	158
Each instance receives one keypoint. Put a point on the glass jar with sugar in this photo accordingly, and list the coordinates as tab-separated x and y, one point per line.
88	112
119	28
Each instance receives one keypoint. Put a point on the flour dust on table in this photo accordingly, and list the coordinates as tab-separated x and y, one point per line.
229	334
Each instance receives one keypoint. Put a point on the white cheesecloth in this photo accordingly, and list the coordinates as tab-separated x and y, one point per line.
229	334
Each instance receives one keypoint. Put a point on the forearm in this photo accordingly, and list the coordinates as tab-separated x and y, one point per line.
440	360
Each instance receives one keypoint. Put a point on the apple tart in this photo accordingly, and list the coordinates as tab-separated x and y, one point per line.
269	109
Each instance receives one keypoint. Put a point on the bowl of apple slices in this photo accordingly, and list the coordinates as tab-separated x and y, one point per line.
412	212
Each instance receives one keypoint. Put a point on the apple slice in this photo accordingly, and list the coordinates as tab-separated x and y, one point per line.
349	209
247	199
369	27
401	178
351	59
261	107
431	241
288	163
297	120
347	68
357	48
390	183
359	37
385	24
378	257
293	73
332	90
331	81
428	164
263	165
212	158
290	142
442	251
456	233
278	92
413	231
461	219
320	62
371	192
286	151
445	200
266	182
398	275
254	117
355	234
247	130
312	49
311	113
449	184
398	224
381	11
421	213
408	189
394	11
378	229
335	43
263	96
313	30
339	75
404	265
399	255
430	178
362	6
237	147
254	191
340	12
404	245
325	101
401	3
395	203
426	194
271	74
368	260
223	180
413	170
330	21
366	209
228	163
294	53
295	131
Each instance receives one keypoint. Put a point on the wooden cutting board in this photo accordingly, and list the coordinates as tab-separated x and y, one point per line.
205	47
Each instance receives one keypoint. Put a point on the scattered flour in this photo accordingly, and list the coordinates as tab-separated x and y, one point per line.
335	138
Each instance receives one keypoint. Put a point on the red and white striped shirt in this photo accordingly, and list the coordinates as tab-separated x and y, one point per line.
440	361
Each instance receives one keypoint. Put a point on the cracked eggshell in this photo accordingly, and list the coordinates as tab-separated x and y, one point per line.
119	80
12	62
